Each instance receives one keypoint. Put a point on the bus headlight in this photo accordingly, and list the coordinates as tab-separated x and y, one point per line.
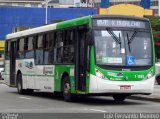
99	74
149	75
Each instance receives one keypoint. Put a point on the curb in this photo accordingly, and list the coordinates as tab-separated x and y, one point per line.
1	81
145	98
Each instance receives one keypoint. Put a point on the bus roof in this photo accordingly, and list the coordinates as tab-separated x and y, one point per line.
60	25
66	24
31	31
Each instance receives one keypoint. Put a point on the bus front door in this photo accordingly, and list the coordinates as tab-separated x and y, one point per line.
12	63
80	67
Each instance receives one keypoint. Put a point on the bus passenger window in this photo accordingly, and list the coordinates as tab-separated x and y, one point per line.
40	41
7	50
68	51
30	51
58	50
26	44
39	51
21	45
48	49
30	43
21	48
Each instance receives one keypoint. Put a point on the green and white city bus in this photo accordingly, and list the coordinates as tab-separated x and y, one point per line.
92	55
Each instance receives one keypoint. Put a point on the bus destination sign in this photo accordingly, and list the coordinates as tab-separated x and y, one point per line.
120	23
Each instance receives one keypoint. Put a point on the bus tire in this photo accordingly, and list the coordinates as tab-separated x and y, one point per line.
19	84
158	80
66	90
119	97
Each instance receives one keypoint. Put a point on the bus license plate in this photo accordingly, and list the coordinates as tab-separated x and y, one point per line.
125	87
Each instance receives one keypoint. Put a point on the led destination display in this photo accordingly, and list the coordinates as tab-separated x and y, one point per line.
120	23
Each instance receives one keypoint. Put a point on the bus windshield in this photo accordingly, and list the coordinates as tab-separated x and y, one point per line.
123	47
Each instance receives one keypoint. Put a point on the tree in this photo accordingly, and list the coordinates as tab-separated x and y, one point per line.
155	23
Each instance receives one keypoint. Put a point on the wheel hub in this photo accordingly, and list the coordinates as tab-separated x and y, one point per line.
66	89
19	86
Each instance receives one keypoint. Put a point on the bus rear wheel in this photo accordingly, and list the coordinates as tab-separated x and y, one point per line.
19	84
66	89
119	97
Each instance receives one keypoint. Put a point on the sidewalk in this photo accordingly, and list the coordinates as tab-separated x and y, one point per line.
1	81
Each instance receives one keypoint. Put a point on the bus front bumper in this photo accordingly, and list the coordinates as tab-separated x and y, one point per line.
98	85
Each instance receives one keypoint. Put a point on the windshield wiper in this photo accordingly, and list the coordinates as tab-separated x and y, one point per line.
118	40
128	43
132	37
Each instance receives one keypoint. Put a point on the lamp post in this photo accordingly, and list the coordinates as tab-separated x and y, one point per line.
46	4
46	21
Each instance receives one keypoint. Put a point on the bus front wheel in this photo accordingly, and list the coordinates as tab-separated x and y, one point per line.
158	80
66	89
119	97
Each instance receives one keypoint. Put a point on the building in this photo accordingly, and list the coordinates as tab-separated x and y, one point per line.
74	3
49	3
38	3
155	4
21	3
61	3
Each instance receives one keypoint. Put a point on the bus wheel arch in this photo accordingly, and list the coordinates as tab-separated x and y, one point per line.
66	87
65	74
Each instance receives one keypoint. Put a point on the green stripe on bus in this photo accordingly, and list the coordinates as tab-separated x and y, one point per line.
74	22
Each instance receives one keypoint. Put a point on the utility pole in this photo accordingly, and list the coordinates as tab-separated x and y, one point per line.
46	4
46	12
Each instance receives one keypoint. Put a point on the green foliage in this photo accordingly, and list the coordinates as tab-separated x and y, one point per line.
155	23
155	20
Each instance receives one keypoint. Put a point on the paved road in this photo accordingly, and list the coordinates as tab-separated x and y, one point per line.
11	101
155	96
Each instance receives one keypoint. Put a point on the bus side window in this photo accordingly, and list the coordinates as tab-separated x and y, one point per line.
35	40
21	48
7	50
39	50
29	48
68	52
48	48
26	44
17	48
54	48
58	50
